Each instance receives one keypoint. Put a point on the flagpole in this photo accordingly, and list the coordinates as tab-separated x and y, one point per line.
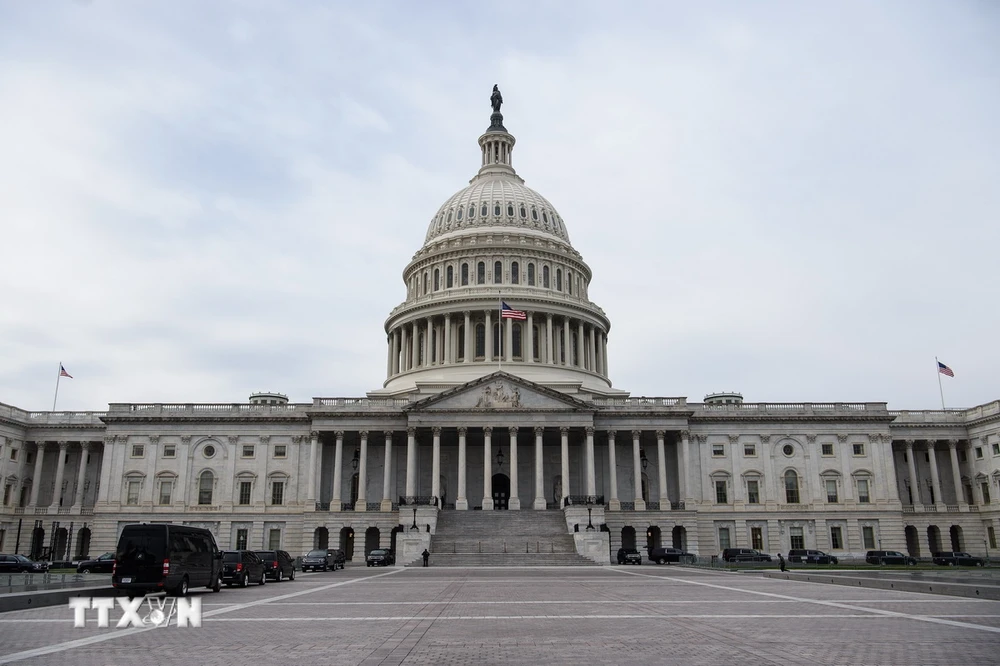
499	329
937	366
56	396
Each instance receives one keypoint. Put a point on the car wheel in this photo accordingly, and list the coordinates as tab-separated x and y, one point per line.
245	580
280	577
218	584
291	576
85	571
661	561
263	578
182	589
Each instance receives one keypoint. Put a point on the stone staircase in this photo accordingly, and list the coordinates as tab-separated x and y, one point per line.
503	538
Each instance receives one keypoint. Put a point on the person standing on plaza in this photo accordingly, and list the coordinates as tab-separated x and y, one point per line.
426	555
781	562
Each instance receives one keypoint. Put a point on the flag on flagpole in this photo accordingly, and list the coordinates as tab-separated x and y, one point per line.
63	373
507	312
945	370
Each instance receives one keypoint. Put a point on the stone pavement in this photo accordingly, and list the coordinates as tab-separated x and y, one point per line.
551	615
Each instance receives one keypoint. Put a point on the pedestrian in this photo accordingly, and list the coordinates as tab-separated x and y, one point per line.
426	555
781	562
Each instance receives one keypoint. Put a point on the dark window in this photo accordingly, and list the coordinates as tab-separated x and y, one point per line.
569	282
481	273
558	279
545	276
496	209
515	270
449	277
141	543
437	279
531	275
510	210
534	215
791	487
480	340
524	213
465	274
458	215
720	493
484	210
461	341
245	487
753	494
516	344
449	217
545	218
497	272
206	483
534	342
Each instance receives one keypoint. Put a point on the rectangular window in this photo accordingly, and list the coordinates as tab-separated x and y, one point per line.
831	491
280	451
274	539
169	450
828	449
967	488
795	538
720	493
992	535
863	497
718	450
166	487
241	538
247	451
138	450
30	457
986	492
927	456
753	492
756	538
724	541
133	493
7	490
245	487
979	453
859	449
278	492
750	450
868	534
905	457
836	539
996	448
13	454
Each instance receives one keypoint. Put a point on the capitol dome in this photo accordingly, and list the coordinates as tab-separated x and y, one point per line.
497	284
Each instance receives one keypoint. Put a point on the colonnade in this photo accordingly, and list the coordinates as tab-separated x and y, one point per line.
61	449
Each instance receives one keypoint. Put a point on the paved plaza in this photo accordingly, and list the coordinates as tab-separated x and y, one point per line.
572	615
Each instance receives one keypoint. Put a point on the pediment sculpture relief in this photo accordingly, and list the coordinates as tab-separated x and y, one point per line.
498	396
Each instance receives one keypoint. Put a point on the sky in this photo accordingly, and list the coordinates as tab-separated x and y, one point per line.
796	201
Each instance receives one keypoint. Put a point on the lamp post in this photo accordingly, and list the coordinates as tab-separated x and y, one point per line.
643	459
499	459
590	509
414	525
356	459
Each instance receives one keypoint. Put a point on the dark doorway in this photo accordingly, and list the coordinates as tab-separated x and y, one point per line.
652	537
957	542
934	539
372	536
392	538
83	543
628	537
354	490
912	541
501	491
347	542
37	543
679	537
59	547
321	538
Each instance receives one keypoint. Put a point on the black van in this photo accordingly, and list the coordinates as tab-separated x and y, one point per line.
171	558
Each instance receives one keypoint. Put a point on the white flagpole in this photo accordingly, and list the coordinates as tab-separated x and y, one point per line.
499	330
937	367
56	396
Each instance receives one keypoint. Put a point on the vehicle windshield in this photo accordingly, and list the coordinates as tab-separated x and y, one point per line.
230	556
377	552
143	544
316	553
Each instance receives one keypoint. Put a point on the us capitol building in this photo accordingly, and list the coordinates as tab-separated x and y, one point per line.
486	418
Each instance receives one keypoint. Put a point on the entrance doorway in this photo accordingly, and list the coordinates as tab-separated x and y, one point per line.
372	536
347	542
501	491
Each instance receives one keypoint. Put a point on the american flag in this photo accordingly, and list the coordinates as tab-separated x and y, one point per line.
507	312
63	373
945	370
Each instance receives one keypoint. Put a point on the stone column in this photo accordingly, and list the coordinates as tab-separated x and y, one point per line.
614	504
311	492
107	462
685	461
591	477
404	348
489	341
581	352
36	477
487	469
515	499
436	465
549	356
661	463
60	473
449	356
604	354
415	346
640	504
592	345
338	472
462	500
470	352
429	346
387	474
539	471
362	502
914	481
564	460
956	473
567	342
396	348
411	462
529	352
935	479
81	474
509	340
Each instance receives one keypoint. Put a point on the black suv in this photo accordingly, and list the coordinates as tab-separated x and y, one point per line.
103	564
744	555
954	558
242	567
20	563
811	557
380	557
320	560
629	556
888	557
278	564
665	555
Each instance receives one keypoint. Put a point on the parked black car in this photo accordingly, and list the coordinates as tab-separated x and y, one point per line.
629	556
319	560
803	556
103	564
666	555
888	557
278	564
954	558
242	567
21	564
171	558
744	555
380	557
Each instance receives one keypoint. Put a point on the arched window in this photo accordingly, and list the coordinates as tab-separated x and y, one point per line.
497	272
437	279
449	277
534	342
206	483
558	279
534	215
531	275
545	276
496	209
472	211
545	218
516	343
484	210
569	281
449	217
791	487
458	216
481	273
465	274
515	269
510	210
523	211
461	342
480	340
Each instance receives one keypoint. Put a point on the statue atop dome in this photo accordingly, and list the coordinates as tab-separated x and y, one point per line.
496	99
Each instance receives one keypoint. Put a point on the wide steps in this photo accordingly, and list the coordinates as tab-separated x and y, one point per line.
504	560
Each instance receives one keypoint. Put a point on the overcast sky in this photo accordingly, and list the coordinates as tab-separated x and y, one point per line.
797	201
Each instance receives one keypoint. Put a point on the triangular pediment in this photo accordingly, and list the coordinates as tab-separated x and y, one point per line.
500	391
